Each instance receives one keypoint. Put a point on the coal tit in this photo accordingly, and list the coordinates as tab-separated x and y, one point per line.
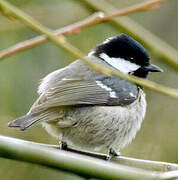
90	110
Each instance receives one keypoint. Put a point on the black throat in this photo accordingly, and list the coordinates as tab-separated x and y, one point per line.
141	72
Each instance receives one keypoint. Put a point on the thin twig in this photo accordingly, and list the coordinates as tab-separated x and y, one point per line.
21	150
76	27
138	163
70	29
144	6
143	82
28	20
61	42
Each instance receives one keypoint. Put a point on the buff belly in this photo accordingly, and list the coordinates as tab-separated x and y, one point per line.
97	128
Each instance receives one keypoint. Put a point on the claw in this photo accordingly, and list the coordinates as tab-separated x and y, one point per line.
63	146
112	153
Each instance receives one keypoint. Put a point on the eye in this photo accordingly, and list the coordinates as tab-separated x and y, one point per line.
131	73
131	58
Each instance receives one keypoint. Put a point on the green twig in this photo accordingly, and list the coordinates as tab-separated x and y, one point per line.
61	42
70	29
143	82
17	149
133	162
76	27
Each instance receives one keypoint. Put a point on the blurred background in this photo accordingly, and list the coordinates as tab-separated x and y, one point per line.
20	75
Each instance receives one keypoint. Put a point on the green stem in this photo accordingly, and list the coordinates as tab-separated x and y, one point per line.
91	20
133	162
60	41
21	46
142	82
17	149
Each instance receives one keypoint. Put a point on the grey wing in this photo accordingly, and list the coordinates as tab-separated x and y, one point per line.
76	69
105	90
67	92
123	92
72	92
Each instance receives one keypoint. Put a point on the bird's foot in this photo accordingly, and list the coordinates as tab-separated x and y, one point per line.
63	146
112	153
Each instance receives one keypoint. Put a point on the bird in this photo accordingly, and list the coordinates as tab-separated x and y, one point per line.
89	110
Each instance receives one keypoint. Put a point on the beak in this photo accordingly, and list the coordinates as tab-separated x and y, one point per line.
153	68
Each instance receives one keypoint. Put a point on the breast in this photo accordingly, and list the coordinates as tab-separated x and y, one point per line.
131	122
99	128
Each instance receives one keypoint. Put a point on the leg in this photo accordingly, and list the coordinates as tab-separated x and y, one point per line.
112	153
63	146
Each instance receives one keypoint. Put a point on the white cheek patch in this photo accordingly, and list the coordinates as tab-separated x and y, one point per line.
111	92
91	53
120	64
108	40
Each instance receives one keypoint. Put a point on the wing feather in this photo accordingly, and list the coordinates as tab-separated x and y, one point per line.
71	92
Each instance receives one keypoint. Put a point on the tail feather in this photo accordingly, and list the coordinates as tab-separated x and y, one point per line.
29	119
24	122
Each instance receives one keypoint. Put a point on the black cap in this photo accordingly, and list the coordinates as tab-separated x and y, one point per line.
123	46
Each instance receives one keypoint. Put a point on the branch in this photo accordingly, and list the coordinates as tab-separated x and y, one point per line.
17	149
142	82
76	27
61	42
144	6
133	162
146	164
152	42
70	29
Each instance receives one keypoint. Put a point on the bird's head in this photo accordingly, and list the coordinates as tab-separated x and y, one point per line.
126	55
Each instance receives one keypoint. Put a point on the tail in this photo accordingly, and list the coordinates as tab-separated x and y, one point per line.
25	122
